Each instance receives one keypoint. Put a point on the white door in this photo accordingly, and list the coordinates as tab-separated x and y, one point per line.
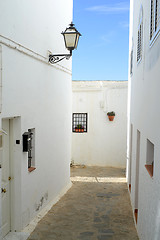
5	190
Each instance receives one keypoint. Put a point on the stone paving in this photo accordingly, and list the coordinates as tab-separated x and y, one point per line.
97	207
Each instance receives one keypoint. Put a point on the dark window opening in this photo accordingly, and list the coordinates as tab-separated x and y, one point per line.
29	147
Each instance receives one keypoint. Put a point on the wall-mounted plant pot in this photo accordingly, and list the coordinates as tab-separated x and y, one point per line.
111	118
111	115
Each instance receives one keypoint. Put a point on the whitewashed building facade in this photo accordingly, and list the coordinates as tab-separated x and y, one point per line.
35	101
103	142
144	138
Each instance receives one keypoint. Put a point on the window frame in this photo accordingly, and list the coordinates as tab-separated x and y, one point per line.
31	150
150	154
80	119
140	36
154	29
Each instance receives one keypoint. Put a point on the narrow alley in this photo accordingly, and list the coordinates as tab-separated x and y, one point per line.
97	207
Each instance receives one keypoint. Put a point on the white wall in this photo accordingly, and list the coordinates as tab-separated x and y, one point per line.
36	24
145	117
105	142
39	95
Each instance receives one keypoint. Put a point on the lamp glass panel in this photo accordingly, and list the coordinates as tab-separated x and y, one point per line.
70	40
77	39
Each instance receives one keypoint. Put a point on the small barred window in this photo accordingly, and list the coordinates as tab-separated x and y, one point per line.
31	148
140	36
79	122
154	19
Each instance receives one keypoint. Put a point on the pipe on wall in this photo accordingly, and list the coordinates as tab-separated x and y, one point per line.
0	78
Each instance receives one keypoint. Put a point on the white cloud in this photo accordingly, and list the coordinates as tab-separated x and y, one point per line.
110	9
108	37
124	24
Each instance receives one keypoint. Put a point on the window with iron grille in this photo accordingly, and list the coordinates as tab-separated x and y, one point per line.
154	19
31	148
140	35
79	122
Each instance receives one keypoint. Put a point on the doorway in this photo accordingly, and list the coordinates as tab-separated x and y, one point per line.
5	181
137	174
11	179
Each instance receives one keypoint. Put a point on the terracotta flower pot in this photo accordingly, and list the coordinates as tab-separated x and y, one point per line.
111	118
81	130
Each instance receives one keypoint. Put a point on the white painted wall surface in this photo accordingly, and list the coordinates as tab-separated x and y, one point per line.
39	94
105	142
37	25
145	117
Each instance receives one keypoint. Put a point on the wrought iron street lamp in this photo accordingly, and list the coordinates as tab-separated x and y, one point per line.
71	38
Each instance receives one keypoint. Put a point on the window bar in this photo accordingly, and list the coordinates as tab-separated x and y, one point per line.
151	26
156	11
79	122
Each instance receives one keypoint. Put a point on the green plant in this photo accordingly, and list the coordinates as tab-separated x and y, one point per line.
111	113
79	126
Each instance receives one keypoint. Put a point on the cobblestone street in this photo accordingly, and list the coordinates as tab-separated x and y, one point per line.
97	207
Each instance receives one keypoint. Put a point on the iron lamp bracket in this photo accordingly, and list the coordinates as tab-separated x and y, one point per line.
55	58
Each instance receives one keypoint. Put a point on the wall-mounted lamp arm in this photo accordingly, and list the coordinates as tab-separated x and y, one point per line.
71	37
55	58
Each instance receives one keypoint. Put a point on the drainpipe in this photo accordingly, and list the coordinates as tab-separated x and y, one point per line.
0	128
0	80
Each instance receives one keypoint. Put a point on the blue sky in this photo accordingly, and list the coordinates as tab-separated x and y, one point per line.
102	52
